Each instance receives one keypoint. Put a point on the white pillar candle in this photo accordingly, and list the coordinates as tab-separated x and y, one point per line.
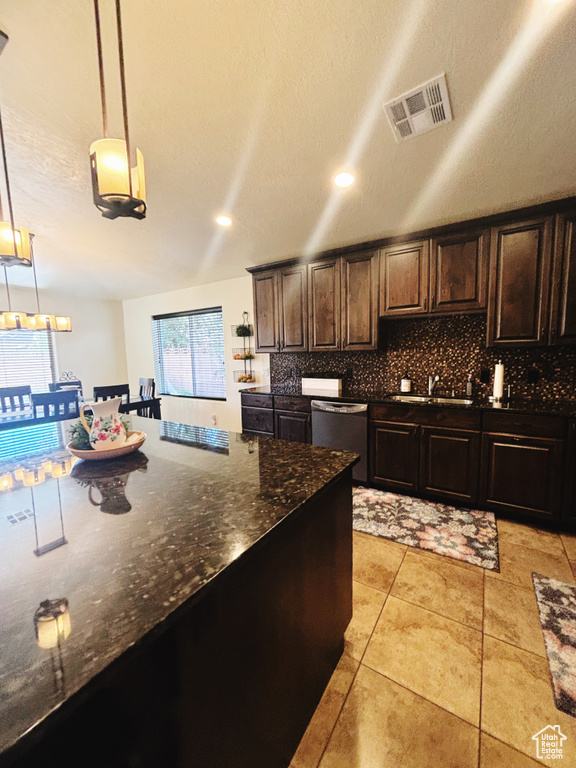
498	391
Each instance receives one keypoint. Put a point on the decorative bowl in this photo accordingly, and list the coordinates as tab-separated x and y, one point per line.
135	440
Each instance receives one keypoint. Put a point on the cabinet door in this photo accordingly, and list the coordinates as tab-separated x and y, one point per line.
293	308
259	421
404	279
360	300
520	257
459	272
324	305
265	286
294	427
449	463
563	299
522	474
394	455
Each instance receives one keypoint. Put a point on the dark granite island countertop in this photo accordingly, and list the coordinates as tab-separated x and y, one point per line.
131	544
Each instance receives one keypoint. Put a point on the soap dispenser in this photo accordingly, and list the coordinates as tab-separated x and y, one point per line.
405	383
469	387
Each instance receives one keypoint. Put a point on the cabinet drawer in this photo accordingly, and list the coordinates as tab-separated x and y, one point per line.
428	415
536	425
301	404
258	419
256	401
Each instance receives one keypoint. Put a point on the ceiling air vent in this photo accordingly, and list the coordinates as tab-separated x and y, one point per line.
420	110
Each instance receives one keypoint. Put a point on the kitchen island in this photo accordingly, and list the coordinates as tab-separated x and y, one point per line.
205	584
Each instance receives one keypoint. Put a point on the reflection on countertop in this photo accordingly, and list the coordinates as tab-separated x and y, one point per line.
193	512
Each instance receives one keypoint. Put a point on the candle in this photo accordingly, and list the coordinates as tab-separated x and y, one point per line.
498	391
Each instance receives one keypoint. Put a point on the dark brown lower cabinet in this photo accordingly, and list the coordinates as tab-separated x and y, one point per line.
394	454
449	463
522	475
294	427
258	421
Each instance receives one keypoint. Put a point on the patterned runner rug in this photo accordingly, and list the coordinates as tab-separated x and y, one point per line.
557	606
463	534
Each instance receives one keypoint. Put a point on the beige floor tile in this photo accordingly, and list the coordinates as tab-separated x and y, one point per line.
376	562
369	537
441	587
517	563
494	754
368	603
318	732
511	614
529	536
382	725
517	700
569	541
435	657
444	559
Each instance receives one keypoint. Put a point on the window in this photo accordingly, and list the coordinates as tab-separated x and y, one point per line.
27	358
189	353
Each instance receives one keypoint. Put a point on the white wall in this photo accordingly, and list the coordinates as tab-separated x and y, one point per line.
95	350
235	297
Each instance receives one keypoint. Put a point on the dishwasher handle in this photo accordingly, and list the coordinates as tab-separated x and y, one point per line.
344	408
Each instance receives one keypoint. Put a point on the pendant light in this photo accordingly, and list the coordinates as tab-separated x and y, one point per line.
118	189
16	250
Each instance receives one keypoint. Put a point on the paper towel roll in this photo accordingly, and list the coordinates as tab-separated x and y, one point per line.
498	391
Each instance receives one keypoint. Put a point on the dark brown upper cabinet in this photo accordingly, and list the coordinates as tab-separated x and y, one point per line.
563	295
459	272
324	305
293	308
265	286
281	310
404	279
520	260
360	300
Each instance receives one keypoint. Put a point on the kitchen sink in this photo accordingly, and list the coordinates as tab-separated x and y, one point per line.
410	398
451	400
424	399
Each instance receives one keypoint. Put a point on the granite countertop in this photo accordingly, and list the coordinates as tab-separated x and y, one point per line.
516	405
132	540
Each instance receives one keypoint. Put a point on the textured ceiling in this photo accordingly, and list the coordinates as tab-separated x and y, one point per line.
251	106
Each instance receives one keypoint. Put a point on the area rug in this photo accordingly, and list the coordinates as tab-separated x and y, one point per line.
557	607
463	534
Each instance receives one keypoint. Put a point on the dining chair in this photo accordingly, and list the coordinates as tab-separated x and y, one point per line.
114	390
55	406
15	401
147	388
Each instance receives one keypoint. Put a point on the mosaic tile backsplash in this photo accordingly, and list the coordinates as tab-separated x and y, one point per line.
451	347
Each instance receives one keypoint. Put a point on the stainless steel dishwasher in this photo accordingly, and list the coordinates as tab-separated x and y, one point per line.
344	426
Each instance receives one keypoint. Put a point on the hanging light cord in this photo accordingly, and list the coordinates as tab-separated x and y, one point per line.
9	200
101	70
34	271
123	85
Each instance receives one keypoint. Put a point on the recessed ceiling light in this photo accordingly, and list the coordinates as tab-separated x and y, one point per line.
224	221
344	179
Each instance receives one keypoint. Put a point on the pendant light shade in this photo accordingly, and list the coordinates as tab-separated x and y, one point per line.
119	189
14	246
52	623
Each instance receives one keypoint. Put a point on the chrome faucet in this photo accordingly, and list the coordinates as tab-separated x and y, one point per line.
432	381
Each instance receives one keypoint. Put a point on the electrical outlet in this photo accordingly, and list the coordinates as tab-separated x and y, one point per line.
533	375
485	374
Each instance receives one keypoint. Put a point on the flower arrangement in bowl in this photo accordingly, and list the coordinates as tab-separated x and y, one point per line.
81	447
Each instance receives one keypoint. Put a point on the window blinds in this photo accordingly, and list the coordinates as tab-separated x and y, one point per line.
189	353
27	358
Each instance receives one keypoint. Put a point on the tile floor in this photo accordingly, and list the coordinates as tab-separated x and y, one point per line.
444	663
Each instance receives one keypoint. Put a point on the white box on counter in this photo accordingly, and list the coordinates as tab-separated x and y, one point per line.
322	387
